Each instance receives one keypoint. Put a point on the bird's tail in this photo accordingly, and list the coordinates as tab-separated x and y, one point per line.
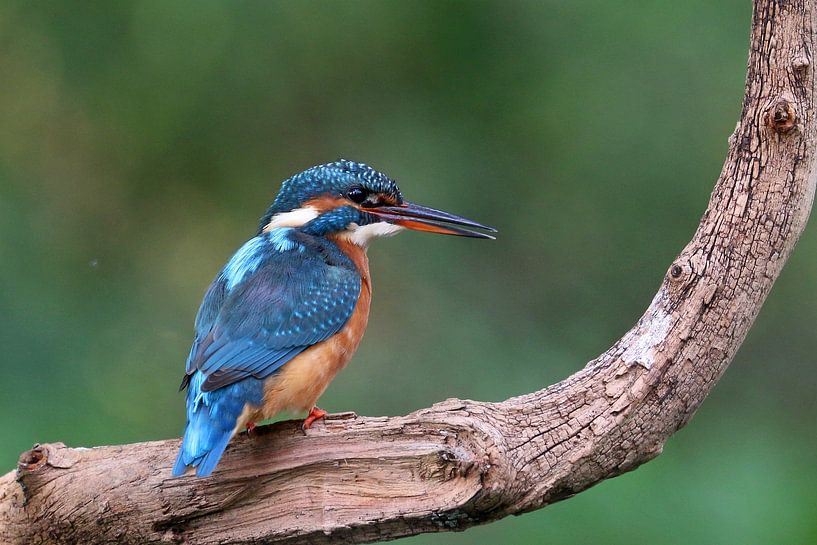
203	444
211	422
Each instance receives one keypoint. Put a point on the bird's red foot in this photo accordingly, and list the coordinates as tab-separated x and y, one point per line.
250	427
315	414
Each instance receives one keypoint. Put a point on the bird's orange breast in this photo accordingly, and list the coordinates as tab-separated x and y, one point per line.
299	383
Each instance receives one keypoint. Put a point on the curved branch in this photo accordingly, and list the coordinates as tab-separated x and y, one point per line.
461	463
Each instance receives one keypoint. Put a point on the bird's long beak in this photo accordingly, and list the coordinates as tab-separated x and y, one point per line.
422	218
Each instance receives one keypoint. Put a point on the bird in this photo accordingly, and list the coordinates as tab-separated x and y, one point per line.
288	310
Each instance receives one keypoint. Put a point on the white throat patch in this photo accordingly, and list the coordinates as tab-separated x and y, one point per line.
362	235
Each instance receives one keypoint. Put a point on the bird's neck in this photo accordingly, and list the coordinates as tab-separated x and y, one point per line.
358	256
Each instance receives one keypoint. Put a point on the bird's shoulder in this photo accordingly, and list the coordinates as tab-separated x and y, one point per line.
275	271
282	250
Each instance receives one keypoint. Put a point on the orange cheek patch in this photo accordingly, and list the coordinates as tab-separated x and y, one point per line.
324	203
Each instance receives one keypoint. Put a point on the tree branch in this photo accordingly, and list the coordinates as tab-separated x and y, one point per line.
461	463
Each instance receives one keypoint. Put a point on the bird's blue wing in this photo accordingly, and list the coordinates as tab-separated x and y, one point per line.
290	300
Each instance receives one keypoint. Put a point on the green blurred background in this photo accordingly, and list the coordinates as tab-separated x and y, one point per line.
141	141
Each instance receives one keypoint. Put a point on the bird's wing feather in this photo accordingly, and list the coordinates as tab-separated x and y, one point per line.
291	300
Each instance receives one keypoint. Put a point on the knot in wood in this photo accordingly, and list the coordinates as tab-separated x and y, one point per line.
675	271
801	63
34	459
782	116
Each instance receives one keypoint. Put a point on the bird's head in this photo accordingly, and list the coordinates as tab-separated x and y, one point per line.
348	199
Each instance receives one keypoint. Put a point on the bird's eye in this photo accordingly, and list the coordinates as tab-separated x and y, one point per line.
356	194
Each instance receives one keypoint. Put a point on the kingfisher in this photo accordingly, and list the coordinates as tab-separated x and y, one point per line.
288	310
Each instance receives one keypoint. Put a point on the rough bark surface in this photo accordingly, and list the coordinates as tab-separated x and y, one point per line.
461	463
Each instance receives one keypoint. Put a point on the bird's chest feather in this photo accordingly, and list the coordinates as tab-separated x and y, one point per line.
301	382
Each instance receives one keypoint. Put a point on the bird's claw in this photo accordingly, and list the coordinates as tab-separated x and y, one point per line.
315	414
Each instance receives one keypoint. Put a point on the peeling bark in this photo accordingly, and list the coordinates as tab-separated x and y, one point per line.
461	463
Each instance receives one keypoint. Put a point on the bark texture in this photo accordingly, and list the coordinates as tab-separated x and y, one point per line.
461	463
